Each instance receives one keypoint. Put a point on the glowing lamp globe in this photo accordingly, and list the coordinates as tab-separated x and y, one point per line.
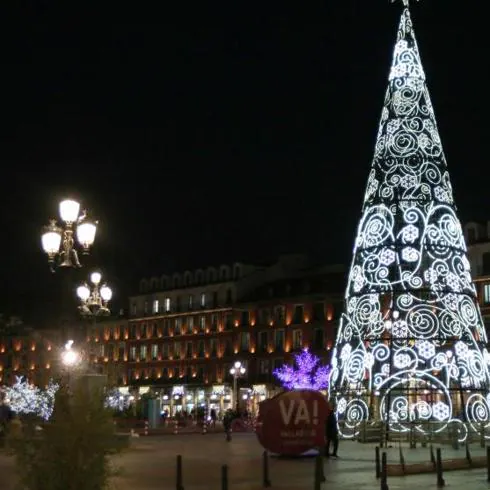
232	371
95	277
83	292
69	210
70	357
51	239
86	234
106	293
238	364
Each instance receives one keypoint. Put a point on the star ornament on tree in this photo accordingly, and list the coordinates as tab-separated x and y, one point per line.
306	374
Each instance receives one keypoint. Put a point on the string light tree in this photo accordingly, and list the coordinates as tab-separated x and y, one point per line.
410	350
307	373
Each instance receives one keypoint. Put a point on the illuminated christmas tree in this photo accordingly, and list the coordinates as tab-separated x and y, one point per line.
307	373
410	349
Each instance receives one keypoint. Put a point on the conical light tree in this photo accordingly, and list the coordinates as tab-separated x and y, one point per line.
410	349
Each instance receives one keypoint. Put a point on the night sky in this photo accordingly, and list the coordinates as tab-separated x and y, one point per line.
198	136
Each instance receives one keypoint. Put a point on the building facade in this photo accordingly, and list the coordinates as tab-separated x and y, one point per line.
477	236
28	353
185	331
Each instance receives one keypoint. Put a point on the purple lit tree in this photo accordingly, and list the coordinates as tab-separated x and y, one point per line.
306	374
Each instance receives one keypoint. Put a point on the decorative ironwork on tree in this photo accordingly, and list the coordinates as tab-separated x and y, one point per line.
307	373
410	349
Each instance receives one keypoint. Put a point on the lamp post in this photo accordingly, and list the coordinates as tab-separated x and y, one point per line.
94	302
58	241
236	371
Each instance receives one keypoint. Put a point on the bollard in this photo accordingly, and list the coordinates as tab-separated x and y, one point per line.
413	443
488	464
440	479
402	459
378	462
468	455
204	428
384	472
179	485
266	483
317	475
432	457
321	458
176	428
146	427
224	477
228	435
482	435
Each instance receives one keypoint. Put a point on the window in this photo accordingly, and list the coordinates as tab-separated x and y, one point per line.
122	349
200	372
214	322
213	347
132	353
200	348
229	297
203	300
298	314
215	299
263	341
202	323
191	302
165	372
471	235
297	339
264	366
228	321
245	318
264	316
167	304
486	264
165	351
177	303
150	330
166	324
188	350
177	350
279	314
154	352
486	293
228	347
134	309
190	324
155	306
178	326
279	340
319	311
319	338
145	308
244	341
143	353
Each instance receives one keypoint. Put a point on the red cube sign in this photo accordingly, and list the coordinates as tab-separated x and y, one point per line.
292	422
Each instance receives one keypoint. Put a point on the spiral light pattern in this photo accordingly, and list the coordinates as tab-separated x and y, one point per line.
411	343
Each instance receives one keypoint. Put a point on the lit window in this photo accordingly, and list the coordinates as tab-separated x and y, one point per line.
191	301
203	299
486	293
155	306
167	304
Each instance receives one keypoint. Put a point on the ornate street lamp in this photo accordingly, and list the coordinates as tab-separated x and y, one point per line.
58	241
236	371
94	301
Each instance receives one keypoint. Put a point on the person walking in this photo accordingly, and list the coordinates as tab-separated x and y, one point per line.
331	434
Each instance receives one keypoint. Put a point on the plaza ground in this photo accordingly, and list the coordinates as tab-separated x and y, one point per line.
150	464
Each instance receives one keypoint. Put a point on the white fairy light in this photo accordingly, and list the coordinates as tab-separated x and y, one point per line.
25	398
410	257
